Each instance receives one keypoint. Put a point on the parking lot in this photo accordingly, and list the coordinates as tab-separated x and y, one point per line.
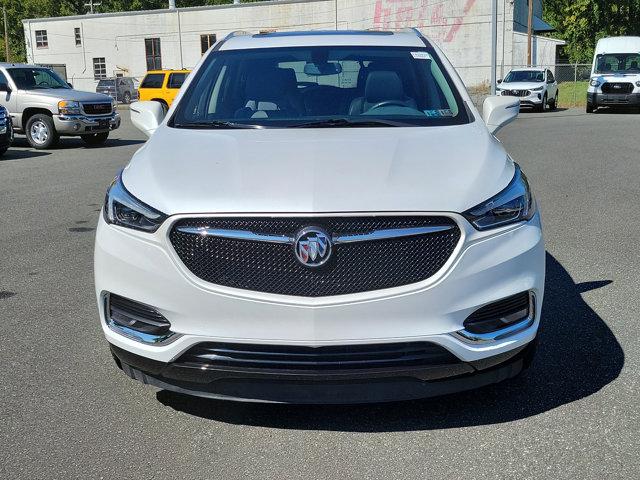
67	412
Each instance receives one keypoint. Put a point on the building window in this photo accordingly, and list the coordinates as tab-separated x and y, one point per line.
41	39
207	41
78	36
99	68
152	51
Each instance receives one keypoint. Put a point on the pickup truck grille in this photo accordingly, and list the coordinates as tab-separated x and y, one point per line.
97	108
353	267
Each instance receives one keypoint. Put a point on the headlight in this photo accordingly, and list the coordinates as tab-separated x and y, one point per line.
122	208
3	113
594	82
638	83
69	107
537	89
513	204
114	104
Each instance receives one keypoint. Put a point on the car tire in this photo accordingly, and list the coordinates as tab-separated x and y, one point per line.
543	106
41	132
554	103
3	150
590	109
126	99
95	139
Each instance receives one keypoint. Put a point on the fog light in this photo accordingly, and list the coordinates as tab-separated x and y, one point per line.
76	126
136	320
499	319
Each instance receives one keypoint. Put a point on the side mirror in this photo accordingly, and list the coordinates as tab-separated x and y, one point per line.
146	116
70	86
499	111
499	80
4	87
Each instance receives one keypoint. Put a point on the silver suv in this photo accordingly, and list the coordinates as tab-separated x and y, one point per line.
43	107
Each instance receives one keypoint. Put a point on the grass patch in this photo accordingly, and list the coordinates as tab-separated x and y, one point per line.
572	94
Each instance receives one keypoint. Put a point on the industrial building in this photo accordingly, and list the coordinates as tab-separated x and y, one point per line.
89	47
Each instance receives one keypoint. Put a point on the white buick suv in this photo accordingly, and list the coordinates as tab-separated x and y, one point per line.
321	217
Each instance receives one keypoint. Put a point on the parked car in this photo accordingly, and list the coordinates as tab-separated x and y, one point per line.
162	85
535	87
6	131
324	217
615	74
121	89
44	107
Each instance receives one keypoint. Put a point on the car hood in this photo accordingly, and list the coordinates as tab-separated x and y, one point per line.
521	85
70	94
449	168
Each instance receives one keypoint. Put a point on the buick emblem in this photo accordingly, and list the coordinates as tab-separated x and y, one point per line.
312	247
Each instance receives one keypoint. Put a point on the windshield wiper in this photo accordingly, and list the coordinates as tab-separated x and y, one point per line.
215	124
345	122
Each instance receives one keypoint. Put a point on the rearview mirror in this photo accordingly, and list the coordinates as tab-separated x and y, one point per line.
499	111
4	87
327	68
146	116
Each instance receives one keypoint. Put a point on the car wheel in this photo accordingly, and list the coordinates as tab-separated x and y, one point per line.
590	109
95	139
554	103
41	132
127	98
3	150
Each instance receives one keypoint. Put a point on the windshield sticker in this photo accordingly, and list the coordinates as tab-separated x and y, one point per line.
439	113
421	55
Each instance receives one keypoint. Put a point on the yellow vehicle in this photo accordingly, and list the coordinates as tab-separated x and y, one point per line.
162	85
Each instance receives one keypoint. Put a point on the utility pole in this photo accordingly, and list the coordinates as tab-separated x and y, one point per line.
92	4
494	44
6	35
529	32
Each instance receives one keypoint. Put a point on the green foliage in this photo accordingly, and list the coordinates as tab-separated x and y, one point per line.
583	22
17	10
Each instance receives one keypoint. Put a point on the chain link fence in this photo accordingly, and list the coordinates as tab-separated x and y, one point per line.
573	80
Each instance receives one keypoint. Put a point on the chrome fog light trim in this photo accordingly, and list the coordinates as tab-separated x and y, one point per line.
133	334
512	329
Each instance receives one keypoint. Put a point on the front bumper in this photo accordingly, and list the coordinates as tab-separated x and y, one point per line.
485	267
85	124
595	99
361	386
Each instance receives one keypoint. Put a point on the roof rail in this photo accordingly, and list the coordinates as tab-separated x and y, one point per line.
418	33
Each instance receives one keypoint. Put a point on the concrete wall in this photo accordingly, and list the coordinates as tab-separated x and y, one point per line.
460	27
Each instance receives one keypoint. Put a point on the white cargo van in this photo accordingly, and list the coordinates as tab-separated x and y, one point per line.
615	74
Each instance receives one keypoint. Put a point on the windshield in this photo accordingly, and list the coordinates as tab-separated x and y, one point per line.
106	83
27	78
320	86
618	63
525	76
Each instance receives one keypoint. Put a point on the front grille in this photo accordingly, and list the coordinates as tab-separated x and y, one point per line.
617	87
97	108
302	358
517	93
353	267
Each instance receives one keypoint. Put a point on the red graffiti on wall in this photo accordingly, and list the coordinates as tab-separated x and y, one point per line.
397	14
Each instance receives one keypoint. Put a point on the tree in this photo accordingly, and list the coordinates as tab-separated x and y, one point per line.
583	22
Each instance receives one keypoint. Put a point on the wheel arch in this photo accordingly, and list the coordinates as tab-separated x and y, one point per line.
30	112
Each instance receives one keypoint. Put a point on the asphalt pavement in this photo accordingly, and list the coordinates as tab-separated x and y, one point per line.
66	412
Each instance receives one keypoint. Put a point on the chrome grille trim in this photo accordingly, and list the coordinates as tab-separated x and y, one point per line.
360	237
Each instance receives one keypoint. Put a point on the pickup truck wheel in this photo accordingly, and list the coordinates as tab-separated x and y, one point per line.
41	132
95	139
